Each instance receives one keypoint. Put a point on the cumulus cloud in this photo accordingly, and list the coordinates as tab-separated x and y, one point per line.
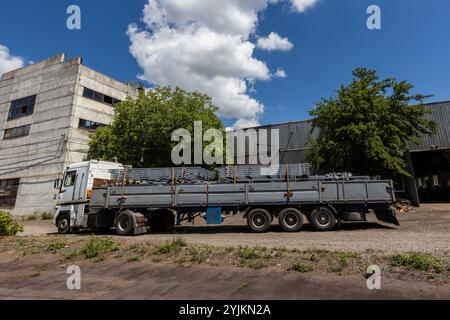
274	43
204	46
9	62
303	5
280	73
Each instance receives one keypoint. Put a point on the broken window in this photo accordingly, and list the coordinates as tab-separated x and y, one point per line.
89	125
17	132
8	193
100	97
22	107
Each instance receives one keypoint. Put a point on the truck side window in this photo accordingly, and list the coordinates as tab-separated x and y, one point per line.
69	181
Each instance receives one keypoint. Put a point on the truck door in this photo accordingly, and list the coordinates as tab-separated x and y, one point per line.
74	186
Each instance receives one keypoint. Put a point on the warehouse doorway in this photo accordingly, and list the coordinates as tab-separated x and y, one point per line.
432	173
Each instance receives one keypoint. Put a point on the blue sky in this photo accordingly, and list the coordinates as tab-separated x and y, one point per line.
330	39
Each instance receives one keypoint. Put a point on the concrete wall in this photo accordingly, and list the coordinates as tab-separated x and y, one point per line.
55	140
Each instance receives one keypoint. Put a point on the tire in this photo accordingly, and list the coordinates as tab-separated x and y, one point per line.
259	220
63	223
322	219
124	223
291	220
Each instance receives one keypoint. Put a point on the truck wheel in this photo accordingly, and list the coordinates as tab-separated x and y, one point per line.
63	223
259	220
291	220
124	223
322	219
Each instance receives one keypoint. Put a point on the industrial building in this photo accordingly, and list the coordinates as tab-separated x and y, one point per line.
47	112
429	160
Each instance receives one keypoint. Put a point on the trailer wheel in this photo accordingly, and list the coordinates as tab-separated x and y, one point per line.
259	220
124	223
322	219
63	223
291	220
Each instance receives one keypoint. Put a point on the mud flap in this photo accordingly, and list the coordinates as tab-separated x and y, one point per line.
387	215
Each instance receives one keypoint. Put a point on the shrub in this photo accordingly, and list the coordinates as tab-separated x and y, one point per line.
8	227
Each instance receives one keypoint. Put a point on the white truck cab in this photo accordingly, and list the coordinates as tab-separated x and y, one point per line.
75	189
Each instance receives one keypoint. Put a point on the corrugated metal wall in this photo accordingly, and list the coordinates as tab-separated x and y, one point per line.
294	136
440	113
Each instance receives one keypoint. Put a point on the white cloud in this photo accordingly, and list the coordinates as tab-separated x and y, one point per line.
280	73
204	46
246	123
9	62
303	5
274	42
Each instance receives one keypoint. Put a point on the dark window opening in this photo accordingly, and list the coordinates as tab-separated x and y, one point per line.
22	107
17	132
89	125
100	97
8	193
70	179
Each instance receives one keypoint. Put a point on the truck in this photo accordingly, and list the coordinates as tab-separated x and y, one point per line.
99	195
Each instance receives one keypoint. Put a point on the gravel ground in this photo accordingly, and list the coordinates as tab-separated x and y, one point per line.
426	229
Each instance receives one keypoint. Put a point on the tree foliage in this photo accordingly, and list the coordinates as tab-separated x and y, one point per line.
368	126
141	132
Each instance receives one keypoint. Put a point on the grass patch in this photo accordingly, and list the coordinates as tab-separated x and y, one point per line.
417	261
55	245
257	265
302	268
32	217
97	247
249	253
174	246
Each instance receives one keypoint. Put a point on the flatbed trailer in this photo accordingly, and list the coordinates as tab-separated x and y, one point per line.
100	195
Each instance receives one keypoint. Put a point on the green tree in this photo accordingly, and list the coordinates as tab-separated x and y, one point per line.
368	125
141	132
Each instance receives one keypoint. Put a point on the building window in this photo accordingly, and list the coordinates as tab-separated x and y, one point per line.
89	125
17	132
100	97
8	192
22	107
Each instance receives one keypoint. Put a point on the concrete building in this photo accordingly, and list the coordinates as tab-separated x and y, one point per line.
47	112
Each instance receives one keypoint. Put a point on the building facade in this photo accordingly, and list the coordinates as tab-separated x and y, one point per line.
47	112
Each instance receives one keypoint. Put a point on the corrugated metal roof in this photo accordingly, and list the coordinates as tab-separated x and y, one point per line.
294	136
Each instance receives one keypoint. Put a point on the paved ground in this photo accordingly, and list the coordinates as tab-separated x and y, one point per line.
426	229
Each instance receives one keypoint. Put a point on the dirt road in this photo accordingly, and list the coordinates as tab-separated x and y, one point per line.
426	229
215	263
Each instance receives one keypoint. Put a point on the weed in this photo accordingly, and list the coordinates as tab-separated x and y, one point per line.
302	268
97	247
417	261
55	245
32	217
257	265
170	247
47	216
248	253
